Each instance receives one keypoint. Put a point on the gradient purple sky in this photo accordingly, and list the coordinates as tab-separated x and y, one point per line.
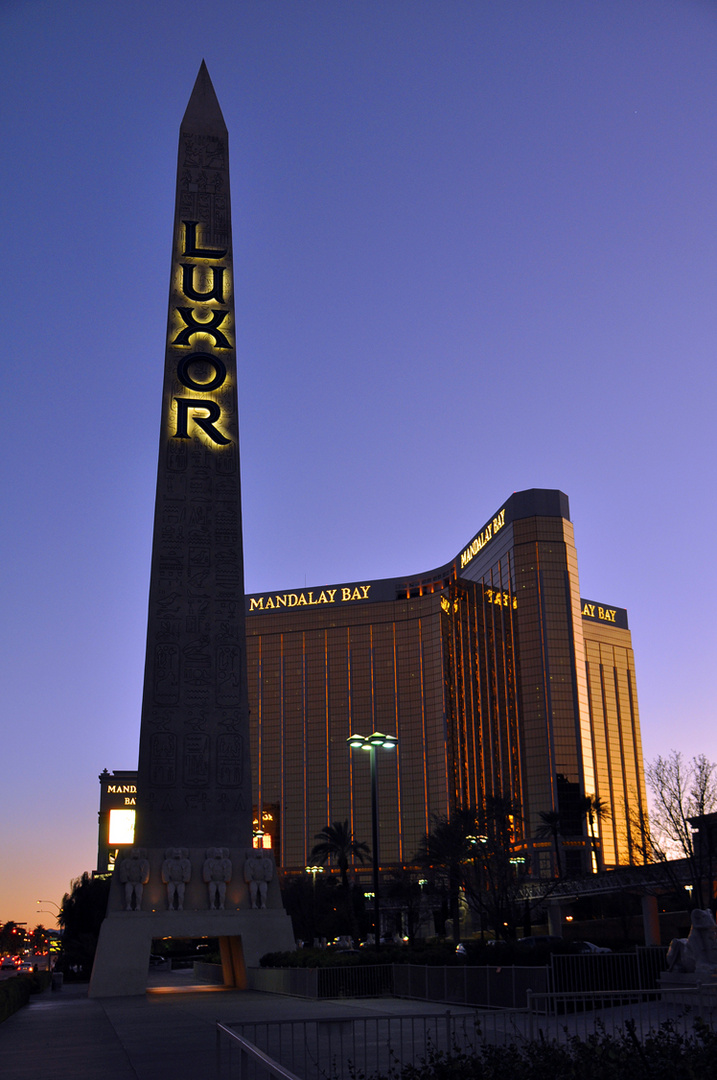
476	251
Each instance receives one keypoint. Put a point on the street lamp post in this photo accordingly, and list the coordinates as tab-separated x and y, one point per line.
313	870
47	932
371	743
50	902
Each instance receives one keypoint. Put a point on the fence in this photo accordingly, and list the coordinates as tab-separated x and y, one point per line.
338	1048
607	971
343	1048
503	987
236	1056
371	981
652	961
561	1016
488	987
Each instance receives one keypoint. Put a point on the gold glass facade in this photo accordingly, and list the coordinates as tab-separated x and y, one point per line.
616	742
479	668
318	677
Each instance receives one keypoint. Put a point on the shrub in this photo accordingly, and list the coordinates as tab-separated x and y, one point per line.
14	993
663	1055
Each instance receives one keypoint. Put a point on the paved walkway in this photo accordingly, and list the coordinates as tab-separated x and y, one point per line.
165	1035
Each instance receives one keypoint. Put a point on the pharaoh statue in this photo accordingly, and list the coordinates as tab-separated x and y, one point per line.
258	871
176	872
134	874
217	871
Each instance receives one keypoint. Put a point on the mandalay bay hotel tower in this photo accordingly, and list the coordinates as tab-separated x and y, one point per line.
492	672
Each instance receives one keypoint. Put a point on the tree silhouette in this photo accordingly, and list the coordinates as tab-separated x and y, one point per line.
448	848
337	844
474	852
595	809
81	914
683	791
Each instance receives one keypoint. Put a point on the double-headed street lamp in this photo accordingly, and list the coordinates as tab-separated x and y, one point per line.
49	902
371	743
48	933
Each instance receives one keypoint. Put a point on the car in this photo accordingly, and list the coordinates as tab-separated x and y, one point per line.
9	964
587	948
26	966
541	941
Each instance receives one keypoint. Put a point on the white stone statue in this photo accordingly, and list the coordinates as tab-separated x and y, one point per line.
258	870
176	872
134	874
698	952
217	871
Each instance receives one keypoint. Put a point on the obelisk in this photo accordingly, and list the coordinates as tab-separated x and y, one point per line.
194	779
193	871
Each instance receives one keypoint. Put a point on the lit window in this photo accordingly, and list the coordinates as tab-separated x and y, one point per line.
121	827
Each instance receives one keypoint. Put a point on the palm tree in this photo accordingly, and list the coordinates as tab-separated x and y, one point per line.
337	843
551	827
448	847
595	809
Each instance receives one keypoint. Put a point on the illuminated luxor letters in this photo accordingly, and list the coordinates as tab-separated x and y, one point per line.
203	413
483	537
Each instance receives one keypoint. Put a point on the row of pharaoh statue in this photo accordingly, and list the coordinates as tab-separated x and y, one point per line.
176	871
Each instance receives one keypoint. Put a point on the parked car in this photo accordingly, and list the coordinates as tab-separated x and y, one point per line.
588	948
540	940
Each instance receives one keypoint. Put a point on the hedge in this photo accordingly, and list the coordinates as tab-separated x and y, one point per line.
663	1055
15	992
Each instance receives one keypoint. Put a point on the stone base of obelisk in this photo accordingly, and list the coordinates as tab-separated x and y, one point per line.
245	934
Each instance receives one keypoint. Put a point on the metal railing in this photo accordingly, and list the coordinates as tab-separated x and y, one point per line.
484	986
236	1056
372	981
651	962
346	1047
588	973
562	1016
606	971
369	981
338	1048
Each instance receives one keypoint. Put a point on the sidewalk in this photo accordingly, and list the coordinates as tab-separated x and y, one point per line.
166	1033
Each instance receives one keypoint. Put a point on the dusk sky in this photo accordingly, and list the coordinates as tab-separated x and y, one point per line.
475	250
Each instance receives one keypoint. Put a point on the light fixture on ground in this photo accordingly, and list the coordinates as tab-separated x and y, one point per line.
371	743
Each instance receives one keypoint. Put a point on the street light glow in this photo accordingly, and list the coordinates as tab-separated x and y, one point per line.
377	738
